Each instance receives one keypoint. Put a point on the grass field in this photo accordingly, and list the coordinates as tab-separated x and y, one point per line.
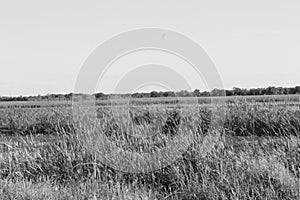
252	152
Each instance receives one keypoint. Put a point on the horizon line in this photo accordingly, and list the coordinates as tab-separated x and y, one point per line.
127	93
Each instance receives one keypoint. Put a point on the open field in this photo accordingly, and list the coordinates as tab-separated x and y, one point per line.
252	152
159	101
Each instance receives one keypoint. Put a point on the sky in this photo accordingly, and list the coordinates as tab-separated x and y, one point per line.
43	44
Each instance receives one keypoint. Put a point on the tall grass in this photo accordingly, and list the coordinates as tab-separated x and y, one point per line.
254	155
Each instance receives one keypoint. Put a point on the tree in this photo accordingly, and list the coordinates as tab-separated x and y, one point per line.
100	95
168	94
217	92
271	91
237	91
196	93
280	90
183	93
297	89
154	94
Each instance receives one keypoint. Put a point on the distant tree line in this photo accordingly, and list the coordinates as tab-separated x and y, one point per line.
154	94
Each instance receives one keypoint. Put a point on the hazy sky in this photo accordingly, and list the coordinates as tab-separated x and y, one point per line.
44	43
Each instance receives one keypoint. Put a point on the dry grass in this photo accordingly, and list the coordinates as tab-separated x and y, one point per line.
254	155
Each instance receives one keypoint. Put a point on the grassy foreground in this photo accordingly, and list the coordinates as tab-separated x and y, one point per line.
254	153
